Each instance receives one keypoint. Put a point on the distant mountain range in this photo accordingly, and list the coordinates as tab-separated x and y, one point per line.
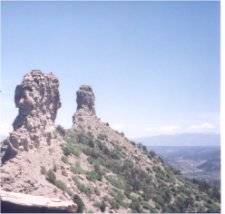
187	139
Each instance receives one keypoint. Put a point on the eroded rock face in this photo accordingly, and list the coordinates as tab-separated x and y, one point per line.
37	99
86	99
85	102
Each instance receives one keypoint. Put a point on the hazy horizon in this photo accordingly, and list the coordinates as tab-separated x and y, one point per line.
154	66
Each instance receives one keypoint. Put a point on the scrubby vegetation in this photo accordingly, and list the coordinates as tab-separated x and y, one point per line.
76	198
156	188
77	169
82	187
51	177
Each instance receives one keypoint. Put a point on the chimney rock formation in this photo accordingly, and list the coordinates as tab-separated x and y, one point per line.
85	102
86	99
37	99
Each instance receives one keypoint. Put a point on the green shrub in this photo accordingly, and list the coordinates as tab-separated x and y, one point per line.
70	192
80	204
158	198
145	205
153	210
100	149
135	206
181	204
93	152
93	176
71	137
118	182
69	149
51	176
64	159
61	130
148	192
60	185
91	143
214	193
99	161
116	154
213	208
85	139
118	196
102	206
77	169
167	209
85	189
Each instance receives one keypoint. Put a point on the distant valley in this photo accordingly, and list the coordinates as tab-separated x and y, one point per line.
195	155
198	162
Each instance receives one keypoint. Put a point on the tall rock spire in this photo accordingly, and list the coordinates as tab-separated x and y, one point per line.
37	98
85	103
86	99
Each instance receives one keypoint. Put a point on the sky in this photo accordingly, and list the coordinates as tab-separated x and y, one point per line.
154	66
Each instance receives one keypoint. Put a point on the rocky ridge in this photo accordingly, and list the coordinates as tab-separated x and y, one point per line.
100	169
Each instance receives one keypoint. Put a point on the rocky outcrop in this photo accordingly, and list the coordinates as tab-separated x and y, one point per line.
86	99
12	202
85	102
37	98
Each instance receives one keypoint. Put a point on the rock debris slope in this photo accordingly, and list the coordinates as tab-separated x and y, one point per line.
95	166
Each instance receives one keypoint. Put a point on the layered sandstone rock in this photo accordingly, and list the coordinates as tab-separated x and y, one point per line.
37	98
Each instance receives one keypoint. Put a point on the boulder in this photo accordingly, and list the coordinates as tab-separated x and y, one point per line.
12	202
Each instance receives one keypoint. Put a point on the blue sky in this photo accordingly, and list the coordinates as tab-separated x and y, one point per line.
154	66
